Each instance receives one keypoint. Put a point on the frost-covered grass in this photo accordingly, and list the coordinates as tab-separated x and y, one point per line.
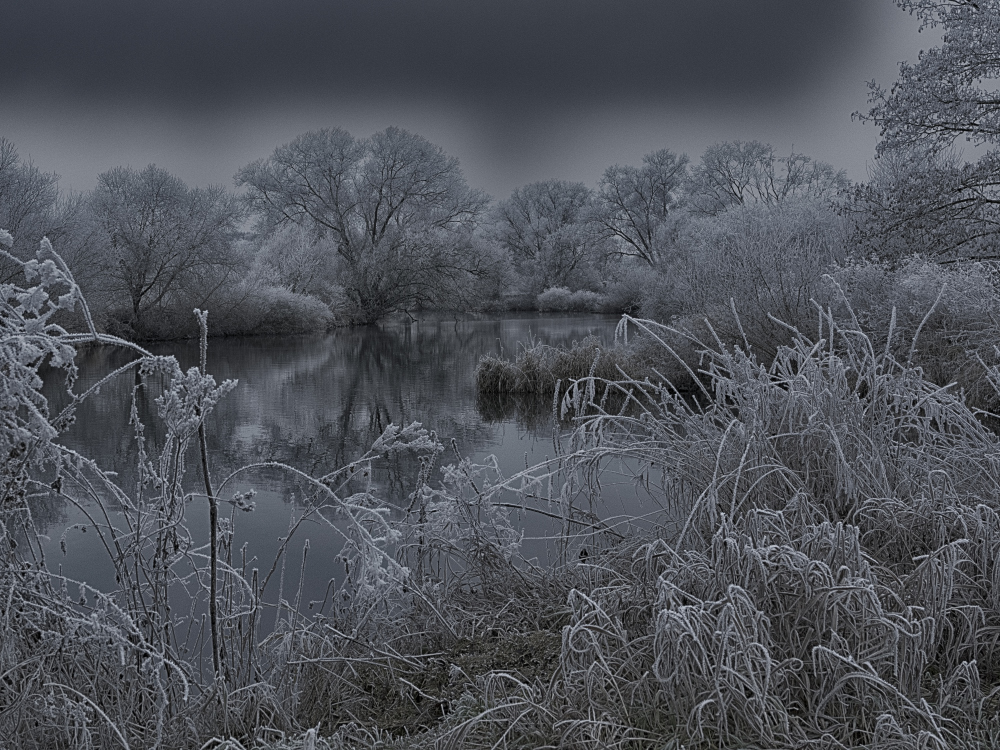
537	368
941	317
833	583
816	565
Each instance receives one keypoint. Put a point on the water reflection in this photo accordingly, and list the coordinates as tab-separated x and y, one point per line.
318	402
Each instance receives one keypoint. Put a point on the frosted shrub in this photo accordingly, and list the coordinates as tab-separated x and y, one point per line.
173	656
294	258
251	309
54	639
661	298
815	564
561	299
943	318
628	286
763	261
830	581
284	312
29	339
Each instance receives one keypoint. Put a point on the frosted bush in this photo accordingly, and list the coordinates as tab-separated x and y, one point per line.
257	309
287	312
764	261
294	258
830	582
815	563
561	299
128	667
941	317
628	285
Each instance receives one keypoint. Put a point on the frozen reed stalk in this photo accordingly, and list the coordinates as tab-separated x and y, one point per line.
213	507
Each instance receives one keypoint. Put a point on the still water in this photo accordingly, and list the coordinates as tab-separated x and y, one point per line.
317	403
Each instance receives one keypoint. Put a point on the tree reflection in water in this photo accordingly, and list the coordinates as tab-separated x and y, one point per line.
318	403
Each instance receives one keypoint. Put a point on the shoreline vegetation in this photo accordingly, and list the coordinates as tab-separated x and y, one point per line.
816	564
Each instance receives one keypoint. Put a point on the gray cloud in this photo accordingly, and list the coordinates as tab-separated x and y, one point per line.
519	90
199	54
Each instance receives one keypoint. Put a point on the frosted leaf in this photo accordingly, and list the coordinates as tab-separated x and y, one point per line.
5	239
67	301
413	437
189	398
46	271
166	365
33	299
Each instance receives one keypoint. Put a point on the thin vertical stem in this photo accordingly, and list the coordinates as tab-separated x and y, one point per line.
213	510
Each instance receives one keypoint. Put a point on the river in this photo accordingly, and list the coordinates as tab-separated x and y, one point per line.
317	403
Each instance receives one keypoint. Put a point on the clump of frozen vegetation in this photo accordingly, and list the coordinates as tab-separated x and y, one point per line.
817	567
174	655
561	299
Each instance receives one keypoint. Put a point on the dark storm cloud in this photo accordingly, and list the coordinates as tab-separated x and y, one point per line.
207	53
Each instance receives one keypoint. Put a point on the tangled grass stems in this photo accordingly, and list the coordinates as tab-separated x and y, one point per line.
818	566
832	583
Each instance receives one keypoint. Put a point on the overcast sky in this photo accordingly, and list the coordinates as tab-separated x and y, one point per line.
518	90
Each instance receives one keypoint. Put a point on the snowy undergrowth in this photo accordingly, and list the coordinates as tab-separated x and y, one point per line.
832	581
833	585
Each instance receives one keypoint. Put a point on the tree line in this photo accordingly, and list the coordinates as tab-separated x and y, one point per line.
333	228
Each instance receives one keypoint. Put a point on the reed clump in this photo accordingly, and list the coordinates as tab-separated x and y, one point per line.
537	367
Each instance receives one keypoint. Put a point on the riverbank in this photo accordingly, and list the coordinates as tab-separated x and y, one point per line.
838	532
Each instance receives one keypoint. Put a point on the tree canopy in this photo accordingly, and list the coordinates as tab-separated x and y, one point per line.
396	207
550	230
950	93
739	173
27	203
162	236
639	203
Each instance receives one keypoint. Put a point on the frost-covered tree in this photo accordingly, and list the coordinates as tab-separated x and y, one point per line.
948	94
163	238
295	258
395	207
922	201
32	207
27	203
741	173
550	231
638	205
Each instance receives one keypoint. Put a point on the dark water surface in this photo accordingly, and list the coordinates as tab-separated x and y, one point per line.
317	403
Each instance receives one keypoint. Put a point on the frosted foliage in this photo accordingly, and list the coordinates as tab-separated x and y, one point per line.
393	210
815	564
29	338
413	437
458	516
933	197
940	317
751	173
551	230
637	205
189	397
830	583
